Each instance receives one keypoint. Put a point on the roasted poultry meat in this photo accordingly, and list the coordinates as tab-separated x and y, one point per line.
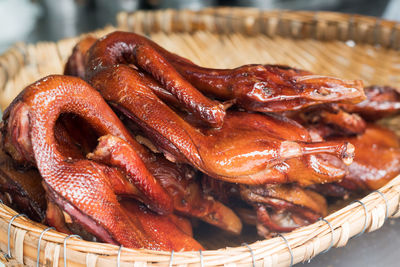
142	142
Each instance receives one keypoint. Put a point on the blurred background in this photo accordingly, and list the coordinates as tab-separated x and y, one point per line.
51	20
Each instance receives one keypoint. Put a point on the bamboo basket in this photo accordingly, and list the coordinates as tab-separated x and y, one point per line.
347	46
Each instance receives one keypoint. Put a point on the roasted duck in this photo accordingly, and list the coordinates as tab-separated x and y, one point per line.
244	150
120	156
267	88
376	162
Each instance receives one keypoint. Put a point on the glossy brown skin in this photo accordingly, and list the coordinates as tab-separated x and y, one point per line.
276	207
178	181
76	63
76	66
350	119
128	48
84	189
266	88
240	151
330	121
376	162
188	198
21	189
166	230
271	88
170	232
382	101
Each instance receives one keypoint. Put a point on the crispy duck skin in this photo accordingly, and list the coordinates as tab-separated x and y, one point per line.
376	162
266	88
240	151
178	181
381	102
84	189
276	207
76	63
171	232
22	189
109	51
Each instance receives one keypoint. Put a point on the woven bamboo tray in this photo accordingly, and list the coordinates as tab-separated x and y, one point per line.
347	46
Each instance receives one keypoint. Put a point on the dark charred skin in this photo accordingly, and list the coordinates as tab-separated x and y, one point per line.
120	48
252	149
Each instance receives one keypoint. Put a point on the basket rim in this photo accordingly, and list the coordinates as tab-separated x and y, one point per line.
376	206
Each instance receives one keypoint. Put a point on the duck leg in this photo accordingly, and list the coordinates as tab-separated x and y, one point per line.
110	51
239	151
68	180
188	199
265	88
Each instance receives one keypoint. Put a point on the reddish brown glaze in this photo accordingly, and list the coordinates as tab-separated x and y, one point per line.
76	63
282	208
83	188
178	181
76	66
271	88
382	101
246	149
276	208
164	229
128	48
376	162
330	121
267	88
